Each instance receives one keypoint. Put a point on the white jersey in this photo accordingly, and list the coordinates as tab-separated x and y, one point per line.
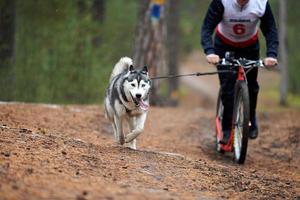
239	26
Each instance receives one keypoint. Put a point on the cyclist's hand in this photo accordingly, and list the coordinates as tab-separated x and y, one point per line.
270	62
213	59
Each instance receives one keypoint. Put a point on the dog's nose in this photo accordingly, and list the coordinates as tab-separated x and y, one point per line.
138	96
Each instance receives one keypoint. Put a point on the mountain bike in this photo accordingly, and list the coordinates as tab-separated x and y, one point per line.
238	140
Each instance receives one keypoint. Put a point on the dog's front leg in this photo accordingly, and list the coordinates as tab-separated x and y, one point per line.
139	128
119	129
132	124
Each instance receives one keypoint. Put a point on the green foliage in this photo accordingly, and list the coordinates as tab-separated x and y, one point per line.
57	59
62	55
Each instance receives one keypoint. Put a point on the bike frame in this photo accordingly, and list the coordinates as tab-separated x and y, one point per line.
241	76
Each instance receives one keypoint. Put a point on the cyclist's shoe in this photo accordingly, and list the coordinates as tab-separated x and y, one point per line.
226	137
253	130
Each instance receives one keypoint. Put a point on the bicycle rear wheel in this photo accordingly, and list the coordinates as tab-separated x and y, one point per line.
241	116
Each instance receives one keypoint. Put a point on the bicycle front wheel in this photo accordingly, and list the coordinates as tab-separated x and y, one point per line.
241	116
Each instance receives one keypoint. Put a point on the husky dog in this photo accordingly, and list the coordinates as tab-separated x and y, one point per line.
127	99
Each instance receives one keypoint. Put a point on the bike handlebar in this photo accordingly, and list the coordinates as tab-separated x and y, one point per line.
241	62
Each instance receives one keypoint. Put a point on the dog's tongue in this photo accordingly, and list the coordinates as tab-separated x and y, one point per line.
144	105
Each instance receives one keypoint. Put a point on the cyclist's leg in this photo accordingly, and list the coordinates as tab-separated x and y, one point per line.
227	81
253	92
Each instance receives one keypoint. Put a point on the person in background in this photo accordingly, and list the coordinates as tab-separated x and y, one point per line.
236	24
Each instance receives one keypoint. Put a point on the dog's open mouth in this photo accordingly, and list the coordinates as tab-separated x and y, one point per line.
143	105
140	103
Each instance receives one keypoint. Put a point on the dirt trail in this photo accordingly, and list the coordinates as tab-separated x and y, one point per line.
68	152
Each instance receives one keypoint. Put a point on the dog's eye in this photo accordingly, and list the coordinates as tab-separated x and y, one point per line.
132	84
143	85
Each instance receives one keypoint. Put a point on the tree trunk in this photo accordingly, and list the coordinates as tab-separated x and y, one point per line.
7	43
283	61
149	44
98	15
172	44
81	5
98	10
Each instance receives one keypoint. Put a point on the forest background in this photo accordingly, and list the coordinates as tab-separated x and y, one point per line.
56	51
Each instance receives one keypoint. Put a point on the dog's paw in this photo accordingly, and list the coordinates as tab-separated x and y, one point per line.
130	146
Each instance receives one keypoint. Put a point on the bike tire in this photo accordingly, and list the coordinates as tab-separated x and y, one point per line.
241	117
219	115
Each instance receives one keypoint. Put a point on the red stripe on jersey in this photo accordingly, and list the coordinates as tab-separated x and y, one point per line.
243	44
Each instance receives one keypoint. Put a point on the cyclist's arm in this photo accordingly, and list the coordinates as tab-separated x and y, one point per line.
213	17
268	27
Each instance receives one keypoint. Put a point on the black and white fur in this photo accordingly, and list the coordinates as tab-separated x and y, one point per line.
127	99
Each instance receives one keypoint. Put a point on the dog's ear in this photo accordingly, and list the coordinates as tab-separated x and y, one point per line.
145	69
131	68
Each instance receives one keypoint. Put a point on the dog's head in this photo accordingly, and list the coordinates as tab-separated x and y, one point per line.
138	85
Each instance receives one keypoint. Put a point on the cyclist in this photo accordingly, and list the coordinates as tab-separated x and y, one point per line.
236	23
